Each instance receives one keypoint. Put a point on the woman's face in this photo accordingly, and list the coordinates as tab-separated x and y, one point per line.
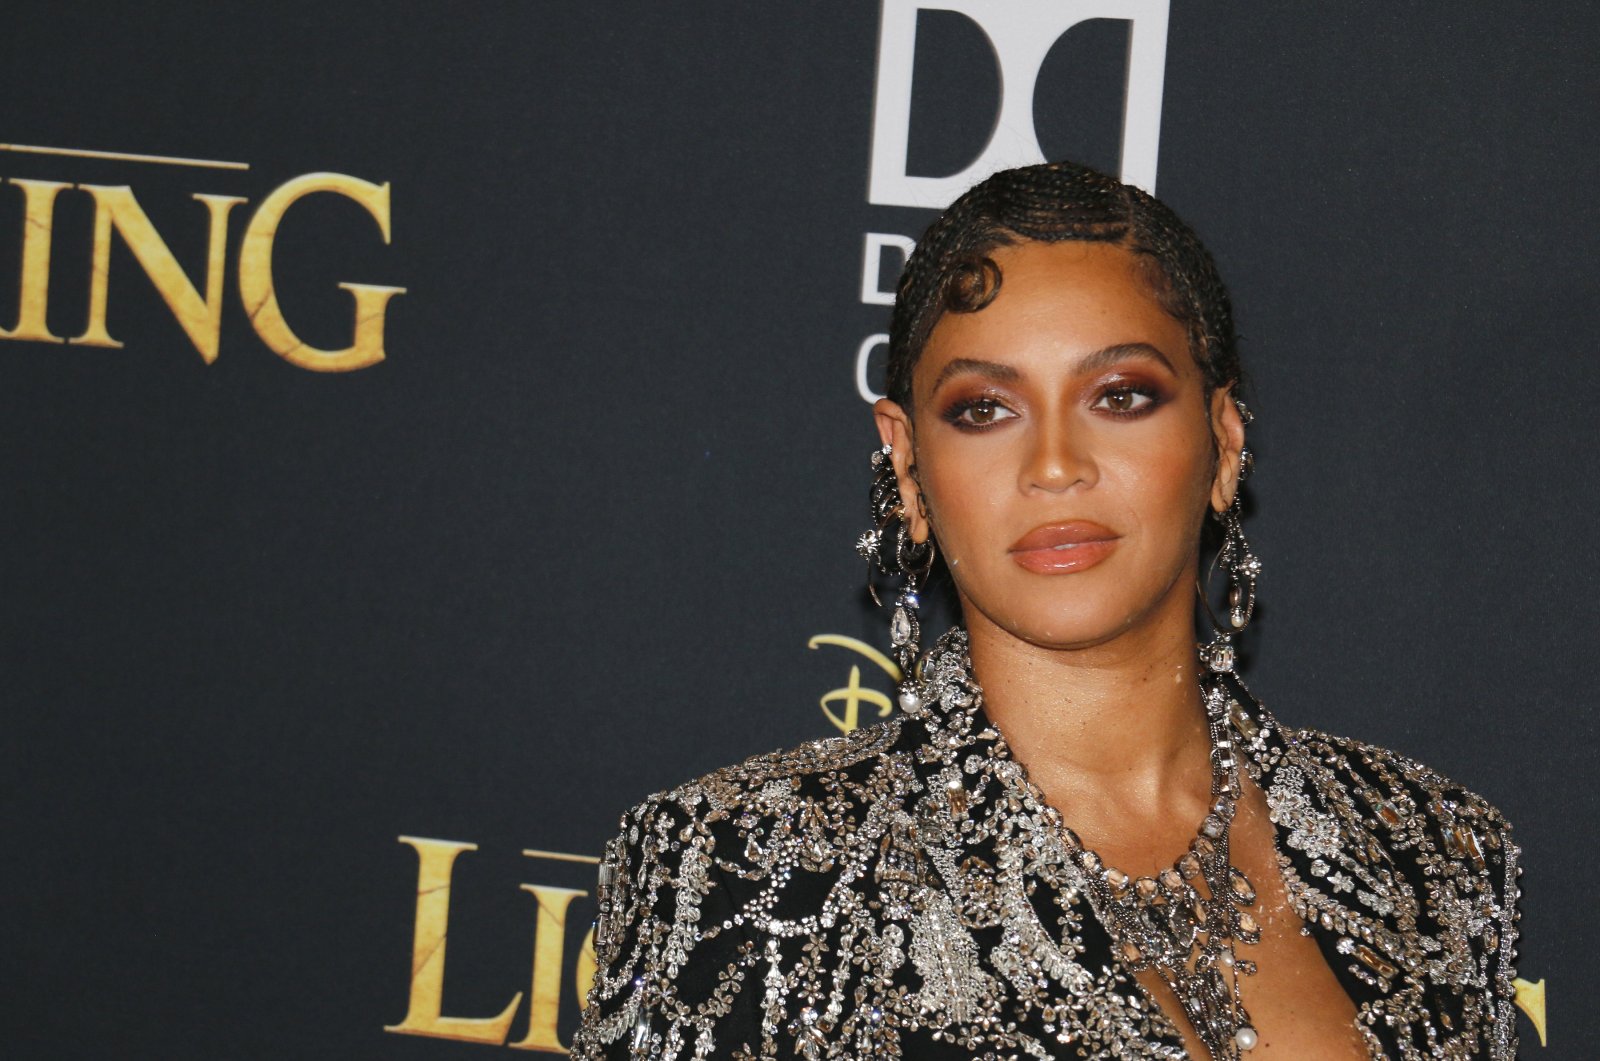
1064	451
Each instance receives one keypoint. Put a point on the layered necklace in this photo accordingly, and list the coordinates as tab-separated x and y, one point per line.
1164	923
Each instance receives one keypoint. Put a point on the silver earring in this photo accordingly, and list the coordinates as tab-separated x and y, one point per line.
1242	565
888	548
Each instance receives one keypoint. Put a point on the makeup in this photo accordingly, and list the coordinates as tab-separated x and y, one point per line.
1064	548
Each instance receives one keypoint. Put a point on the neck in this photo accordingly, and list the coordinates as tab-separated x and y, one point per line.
1117	724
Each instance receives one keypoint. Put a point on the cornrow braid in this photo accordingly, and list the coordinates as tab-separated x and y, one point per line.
951	271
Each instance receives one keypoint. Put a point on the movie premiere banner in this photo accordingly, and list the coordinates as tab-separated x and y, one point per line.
431	428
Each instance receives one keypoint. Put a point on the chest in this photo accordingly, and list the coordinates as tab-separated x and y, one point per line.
1296	1004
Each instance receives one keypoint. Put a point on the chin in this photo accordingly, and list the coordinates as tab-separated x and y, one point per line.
1063	628
1071	611
1068	637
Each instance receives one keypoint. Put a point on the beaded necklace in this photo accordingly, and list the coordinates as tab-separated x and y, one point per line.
1161	923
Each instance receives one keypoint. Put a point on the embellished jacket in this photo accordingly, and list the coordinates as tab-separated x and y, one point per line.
904	892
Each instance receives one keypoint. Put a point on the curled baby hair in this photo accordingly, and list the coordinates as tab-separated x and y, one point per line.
951	270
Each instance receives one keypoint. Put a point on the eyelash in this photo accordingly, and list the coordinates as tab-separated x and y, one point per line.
1152	398
955	413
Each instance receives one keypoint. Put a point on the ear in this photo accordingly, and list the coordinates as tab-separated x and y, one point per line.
1228	433
894	428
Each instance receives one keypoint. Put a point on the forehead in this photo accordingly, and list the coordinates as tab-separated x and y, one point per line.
1058	301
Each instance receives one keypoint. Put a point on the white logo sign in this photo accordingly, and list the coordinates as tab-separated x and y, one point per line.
1022	33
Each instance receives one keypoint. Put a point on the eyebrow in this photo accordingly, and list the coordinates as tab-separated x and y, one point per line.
1094	362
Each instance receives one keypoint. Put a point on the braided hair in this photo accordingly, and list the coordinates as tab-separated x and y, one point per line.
951	271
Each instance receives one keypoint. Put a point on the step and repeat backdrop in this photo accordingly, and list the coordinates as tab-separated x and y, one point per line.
430	428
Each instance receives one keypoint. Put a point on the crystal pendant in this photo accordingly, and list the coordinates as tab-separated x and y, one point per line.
1242	721
1181	920
641	1030
958	798
900	626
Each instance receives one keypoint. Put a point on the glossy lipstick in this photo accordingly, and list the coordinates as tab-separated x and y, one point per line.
1063	548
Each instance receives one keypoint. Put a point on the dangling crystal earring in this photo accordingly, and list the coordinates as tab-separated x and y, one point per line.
1242	565
888	548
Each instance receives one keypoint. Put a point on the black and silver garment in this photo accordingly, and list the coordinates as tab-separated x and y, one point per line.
904	892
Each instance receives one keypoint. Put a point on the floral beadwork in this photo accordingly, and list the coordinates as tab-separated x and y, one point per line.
903	892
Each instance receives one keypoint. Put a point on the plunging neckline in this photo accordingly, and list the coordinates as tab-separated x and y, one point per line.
1013	774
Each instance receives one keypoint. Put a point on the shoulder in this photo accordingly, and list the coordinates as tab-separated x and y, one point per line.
773	783
675	934
735	822
1454	894
1394	790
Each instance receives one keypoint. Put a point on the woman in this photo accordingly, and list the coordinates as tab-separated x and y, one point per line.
1081	836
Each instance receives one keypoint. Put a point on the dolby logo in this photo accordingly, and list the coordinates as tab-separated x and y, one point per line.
1021	34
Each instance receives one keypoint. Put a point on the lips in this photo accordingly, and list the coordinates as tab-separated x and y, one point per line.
1064	548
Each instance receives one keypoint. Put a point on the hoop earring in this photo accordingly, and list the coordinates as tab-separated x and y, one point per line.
888	548
1243	568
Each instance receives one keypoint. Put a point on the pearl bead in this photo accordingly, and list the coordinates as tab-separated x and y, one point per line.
1245	1037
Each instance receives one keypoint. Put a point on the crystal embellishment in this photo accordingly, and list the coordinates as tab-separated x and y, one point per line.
900	626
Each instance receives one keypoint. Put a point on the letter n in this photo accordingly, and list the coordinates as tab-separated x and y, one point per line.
201	319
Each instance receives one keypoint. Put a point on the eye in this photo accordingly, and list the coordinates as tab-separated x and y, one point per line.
1124	401
978	412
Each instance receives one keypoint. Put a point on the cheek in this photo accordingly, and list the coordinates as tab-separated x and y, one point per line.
1165	481
962	498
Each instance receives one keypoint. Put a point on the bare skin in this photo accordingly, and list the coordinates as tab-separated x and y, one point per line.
1073	400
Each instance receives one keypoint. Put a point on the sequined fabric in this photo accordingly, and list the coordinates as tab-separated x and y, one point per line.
904	892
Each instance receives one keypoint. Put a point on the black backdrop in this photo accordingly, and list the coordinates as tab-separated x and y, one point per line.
567	542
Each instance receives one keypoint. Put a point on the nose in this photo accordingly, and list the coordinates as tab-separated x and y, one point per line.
1059	458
